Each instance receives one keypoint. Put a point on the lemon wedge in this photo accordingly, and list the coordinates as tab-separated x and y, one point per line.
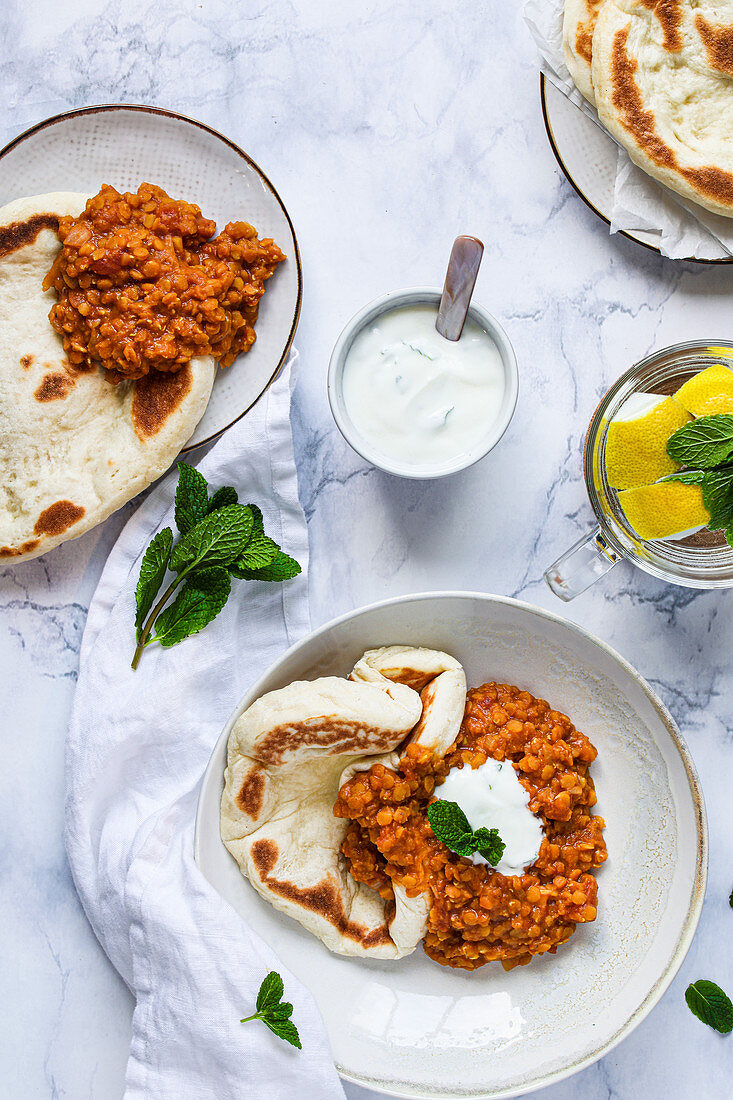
708	393
636	440
669	509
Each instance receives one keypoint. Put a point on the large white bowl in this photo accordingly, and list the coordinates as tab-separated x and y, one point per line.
417	1029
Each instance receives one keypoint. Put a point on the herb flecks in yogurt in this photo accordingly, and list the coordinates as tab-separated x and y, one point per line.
417	398
492	795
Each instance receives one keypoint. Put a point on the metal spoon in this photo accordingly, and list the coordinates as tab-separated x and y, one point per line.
460	279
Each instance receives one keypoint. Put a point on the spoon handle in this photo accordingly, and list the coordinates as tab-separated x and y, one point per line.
460	278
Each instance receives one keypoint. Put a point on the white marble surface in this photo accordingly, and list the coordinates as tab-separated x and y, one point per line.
389	126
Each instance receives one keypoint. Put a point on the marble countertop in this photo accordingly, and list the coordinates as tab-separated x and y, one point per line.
388	127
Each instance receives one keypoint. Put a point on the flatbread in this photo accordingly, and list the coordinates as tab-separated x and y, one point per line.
73	447
663	78
579	20
287	757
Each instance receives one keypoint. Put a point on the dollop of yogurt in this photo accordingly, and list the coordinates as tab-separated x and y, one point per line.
416	397
492	797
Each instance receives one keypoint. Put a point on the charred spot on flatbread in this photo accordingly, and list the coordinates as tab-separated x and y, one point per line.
58	517
19	234
26	361
718	43
156	397
54	386
322	898
715	183
670	17
26	547
326	731
252	793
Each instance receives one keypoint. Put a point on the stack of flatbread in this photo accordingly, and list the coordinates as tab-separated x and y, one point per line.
660	73
73	447
288	755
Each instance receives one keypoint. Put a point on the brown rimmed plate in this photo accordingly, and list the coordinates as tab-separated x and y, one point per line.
415	1029
125	145
587	156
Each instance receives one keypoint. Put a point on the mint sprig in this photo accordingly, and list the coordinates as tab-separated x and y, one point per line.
704	442
705	448
273	1011
220	539
451	826
709	1003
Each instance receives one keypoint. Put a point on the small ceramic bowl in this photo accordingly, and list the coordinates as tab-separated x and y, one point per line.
419	295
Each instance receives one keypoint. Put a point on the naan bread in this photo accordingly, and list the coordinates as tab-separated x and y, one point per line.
579	20
287	757
73	448
663	79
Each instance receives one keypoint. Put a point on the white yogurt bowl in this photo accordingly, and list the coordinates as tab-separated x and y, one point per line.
396	299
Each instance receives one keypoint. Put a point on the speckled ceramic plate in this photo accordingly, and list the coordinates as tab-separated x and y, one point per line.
125	145
587	156
416	1029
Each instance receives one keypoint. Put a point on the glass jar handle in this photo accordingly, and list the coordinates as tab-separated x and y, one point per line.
581	566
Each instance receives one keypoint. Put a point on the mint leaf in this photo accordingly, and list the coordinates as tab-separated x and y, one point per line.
258	523
271	990
259	552
730	899
284	1029
704	442
717	495
709	1003
152	570
281	568
223	497
273	1011
199	601
489	845
192	497
216	540
449	824
687	477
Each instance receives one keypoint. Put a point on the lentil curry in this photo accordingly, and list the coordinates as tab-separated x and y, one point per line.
142	284
476	914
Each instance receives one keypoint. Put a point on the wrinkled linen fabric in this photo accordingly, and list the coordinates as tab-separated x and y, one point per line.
137	747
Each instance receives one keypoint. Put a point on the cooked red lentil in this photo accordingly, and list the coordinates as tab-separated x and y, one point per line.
476	914
143	284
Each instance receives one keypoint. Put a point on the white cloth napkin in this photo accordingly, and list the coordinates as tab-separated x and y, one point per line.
137	747
640	203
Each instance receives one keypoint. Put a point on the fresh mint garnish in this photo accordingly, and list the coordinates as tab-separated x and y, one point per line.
709	1003
192	497
152	571
704	442
222	497
450	825
198	602
220	539
705	448
273	1011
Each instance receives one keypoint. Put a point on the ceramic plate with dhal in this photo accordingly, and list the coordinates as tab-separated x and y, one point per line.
127	145
413	1028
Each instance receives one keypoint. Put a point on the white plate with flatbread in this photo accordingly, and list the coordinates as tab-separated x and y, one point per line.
412	1028
125	145
74	447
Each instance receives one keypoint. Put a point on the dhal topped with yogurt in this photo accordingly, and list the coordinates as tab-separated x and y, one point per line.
418	398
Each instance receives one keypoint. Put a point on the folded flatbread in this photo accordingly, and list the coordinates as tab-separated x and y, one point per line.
579	20
662	75
73	447
287	756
